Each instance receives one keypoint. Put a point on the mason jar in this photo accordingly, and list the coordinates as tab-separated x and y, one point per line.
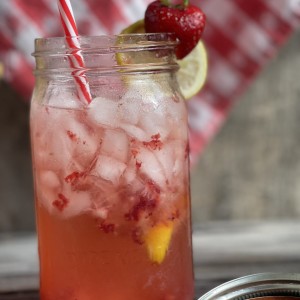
111	176
262	286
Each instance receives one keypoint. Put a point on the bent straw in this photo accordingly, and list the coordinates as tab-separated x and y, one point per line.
76	59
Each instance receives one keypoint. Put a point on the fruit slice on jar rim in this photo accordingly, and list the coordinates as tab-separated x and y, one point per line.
137	27
193	68
126	55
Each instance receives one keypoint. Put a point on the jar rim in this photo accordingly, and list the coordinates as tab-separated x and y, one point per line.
106	54
107	43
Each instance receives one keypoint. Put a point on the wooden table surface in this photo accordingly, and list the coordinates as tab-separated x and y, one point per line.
222	251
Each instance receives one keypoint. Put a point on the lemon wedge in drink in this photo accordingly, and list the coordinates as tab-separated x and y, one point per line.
193	68
157	241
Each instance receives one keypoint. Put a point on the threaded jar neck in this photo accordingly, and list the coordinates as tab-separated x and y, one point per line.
103	55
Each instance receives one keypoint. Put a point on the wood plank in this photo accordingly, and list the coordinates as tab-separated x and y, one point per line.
228	250
21	295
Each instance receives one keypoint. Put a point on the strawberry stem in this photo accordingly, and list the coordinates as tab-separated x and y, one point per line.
165	2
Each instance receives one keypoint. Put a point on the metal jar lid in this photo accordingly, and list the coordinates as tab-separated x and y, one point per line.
266	286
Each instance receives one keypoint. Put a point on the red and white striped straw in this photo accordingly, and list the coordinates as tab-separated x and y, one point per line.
76	59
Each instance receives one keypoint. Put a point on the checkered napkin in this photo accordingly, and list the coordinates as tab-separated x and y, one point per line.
241	37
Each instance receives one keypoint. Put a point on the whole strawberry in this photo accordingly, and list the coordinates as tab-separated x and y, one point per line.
186	21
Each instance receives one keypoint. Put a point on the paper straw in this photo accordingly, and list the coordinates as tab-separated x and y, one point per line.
76	59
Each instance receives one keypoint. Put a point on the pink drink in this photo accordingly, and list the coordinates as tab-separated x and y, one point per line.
112	191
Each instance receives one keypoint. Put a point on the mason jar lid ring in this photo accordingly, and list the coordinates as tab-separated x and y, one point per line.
257	285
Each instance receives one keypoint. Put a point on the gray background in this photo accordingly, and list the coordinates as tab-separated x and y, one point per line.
250	170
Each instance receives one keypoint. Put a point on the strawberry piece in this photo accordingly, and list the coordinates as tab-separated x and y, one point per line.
186	21
155	142
60	203
107	227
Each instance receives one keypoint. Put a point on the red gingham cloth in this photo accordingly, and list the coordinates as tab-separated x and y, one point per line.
241	37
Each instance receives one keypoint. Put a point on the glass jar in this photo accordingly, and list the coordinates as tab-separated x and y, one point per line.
111	177
264	286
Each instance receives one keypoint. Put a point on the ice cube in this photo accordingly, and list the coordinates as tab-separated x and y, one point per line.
40	155
115	144
177	117
166	158
48	179
104	112
101	212
52	146
60	199
178	111
59	137
47	185
78	203
62	98
60	150
153	94
129	107
131	178
109	168
171	158
178	167
134	132
151	167
144	105
85	143
155	123
71	143
69	202
39	135
130	174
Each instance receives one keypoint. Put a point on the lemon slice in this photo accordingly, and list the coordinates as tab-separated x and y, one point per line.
193	71
1	70
193	68
157	240
137	27
124	57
